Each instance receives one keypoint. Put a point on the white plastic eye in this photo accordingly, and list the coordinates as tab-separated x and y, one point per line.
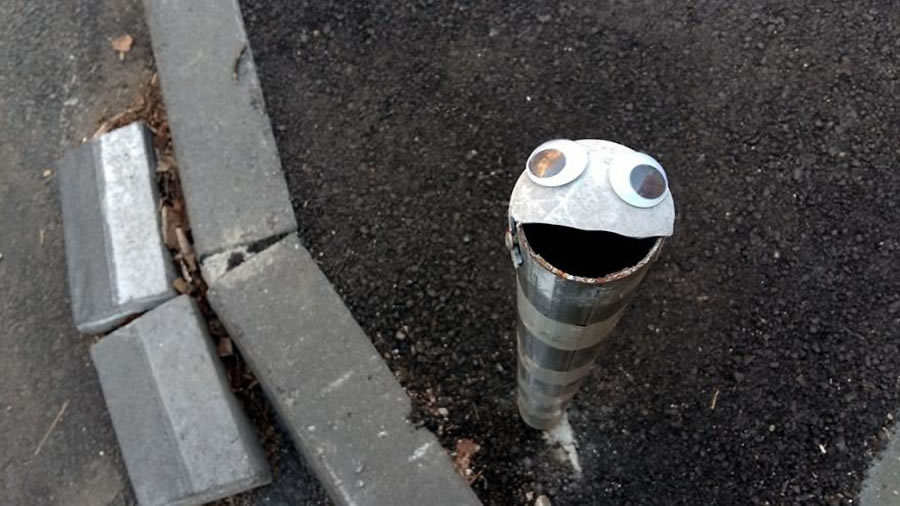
639	180
556	162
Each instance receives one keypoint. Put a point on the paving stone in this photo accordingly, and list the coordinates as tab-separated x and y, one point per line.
227	158
882	484
117	263
183	435
347	413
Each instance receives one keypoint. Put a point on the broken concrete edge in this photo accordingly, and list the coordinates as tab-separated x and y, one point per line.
344	408
230	170
216	265
111	321
183	436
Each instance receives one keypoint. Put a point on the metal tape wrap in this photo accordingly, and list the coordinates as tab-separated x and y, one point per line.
562	322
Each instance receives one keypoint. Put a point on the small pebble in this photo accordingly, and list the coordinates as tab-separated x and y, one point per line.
893	308
542	501
400	335
443	411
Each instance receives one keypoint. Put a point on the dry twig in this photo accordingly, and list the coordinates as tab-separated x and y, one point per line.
53	425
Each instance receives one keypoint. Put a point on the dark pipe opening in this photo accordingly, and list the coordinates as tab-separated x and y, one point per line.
589	254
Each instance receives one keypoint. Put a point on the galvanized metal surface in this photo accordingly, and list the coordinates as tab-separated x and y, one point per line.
590	201
562	321
575	299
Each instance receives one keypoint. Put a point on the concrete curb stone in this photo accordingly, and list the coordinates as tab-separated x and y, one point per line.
183	435
882	484
118	265
347	413
228	161
345	410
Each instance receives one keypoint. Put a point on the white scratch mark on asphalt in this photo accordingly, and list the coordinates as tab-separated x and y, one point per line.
566	448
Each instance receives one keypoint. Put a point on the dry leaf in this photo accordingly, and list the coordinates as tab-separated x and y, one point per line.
172	218
122	44
224	348
462	458
186	249
181	286
165	164
185	270
149	108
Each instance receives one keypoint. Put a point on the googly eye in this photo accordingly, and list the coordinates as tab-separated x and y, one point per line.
556	162
639	180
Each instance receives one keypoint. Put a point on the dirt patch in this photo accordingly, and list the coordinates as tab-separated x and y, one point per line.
148	107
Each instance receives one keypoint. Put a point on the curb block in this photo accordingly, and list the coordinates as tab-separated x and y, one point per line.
882	484
118	265
183	435
343	407
227	158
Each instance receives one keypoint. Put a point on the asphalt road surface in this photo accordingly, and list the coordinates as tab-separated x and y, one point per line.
759	363
59	78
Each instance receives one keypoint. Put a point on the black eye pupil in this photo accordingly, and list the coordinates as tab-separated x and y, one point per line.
647	181
547	163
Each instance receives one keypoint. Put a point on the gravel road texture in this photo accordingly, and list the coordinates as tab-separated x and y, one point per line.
58	77
759	362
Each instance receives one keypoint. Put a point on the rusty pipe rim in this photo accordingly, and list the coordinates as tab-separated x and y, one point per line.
614	276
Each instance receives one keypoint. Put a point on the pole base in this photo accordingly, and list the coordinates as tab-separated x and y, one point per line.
535	418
